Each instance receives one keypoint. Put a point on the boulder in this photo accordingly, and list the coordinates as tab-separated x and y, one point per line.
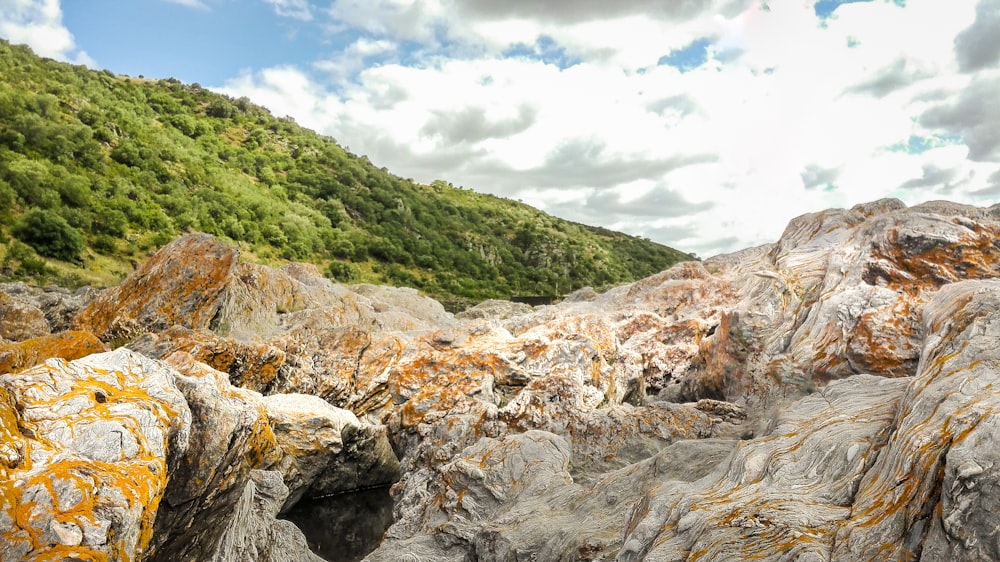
116	456
251	457
249	364
29	312
86	454
934	486
17	356
21	320
495	310
253	532
230	436
327	450
184	283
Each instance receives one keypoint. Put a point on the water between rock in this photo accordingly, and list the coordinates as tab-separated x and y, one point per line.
345	527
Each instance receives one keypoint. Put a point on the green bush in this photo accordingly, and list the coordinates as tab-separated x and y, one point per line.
22	262
342	272
50	235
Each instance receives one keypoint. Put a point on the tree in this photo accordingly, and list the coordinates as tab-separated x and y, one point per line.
49	234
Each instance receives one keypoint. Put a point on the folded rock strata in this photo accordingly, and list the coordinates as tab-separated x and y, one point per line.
825	397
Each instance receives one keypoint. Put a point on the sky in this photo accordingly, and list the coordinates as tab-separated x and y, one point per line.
702	124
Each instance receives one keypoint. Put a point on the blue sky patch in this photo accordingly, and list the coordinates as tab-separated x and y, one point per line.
193	45
824	8
689	57
919	145
545	50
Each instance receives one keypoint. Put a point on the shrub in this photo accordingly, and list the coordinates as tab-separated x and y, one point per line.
342	272
22	262
50	235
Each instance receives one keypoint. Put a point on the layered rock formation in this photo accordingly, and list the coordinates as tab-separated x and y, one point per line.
828	396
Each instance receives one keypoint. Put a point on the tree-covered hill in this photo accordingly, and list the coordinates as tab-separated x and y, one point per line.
97	169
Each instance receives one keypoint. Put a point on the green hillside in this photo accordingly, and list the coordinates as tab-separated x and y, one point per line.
97	170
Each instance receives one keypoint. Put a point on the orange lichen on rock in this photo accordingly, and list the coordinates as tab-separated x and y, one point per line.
93	437
18	356
954	250
250	365
184	283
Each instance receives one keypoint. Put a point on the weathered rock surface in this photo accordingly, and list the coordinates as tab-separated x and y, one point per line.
869	468
251	531
184	283
826	397
120	457
495	310
31	312
85	456
17	356
230	436
327	450
21	320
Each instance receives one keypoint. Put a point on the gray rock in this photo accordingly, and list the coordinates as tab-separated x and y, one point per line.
253	533
29	312
495	310
327	450
90	442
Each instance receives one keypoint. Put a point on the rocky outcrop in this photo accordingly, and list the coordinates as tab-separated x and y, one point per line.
31	312
251	531
495	310
230	436
120	457
86	453
17	356
21	320
869	467
825	397
773	495
183	284
327	450
249	458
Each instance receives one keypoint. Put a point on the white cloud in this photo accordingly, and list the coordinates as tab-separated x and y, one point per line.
979	46
295	9
564	105
346	64
39	25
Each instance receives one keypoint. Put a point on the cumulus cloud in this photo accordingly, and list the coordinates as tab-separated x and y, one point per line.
814	176
889	79
992	189
680	104
978	47
661	201
932	176
39	25
397	20
345	65
575	11
972	115
564	105
586	162
472	124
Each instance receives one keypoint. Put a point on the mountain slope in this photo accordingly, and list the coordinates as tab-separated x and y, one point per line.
98	169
